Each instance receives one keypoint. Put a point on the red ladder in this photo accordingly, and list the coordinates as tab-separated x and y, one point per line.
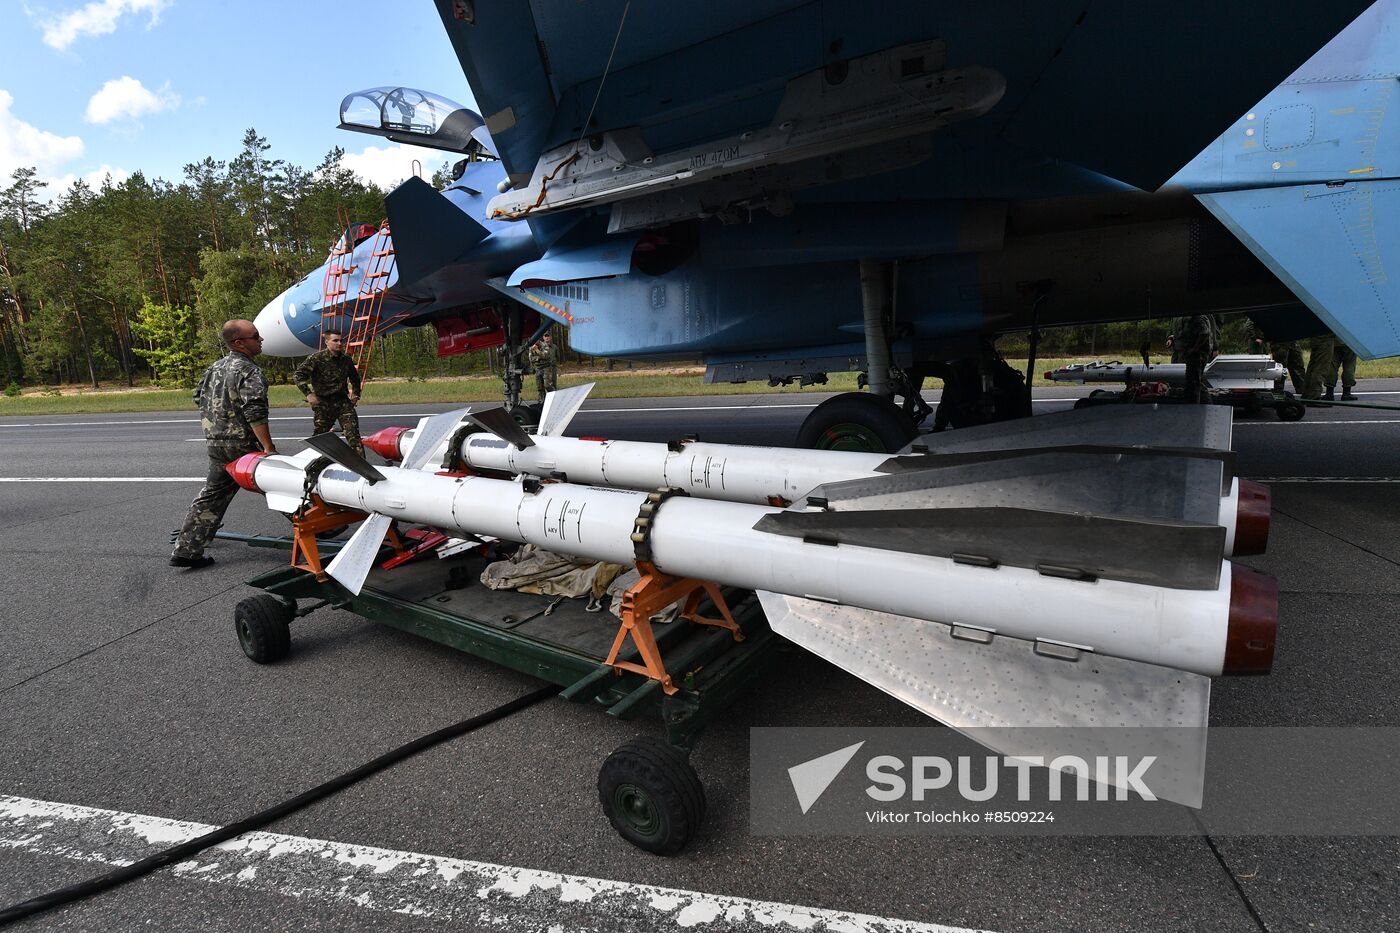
365	322
339	266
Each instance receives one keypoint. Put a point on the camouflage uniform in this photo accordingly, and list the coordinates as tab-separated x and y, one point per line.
544	360
1343	359
1320	352
324	375
1194	342
1286	354
232	397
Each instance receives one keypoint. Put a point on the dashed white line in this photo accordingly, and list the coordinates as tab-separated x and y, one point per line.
1325	479
466	893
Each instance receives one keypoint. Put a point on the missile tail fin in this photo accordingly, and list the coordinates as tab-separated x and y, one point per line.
431	434
354	562
334	446
499	422
560	406
1007	695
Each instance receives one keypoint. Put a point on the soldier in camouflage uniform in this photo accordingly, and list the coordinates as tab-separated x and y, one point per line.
1284	352
1194	340
1343	360
1320	353
544	360
232	399
322	378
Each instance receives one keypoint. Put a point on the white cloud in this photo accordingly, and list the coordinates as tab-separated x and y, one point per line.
23	144
127	98
387	166
61	183
96	19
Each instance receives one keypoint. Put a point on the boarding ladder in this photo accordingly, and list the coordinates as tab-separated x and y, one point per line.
366	312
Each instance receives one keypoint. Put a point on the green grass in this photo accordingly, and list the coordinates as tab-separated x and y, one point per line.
620	384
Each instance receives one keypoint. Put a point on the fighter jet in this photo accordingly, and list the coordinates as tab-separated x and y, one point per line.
787	189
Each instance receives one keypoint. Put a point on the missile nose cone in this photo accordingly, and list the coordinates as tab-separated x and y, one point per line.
386	442
1249	639
277	334
1252	518
242	470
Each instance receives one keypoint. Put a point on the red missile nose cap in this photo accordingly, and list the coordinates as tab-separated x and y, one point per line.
1249	639
242	470
1252	516
386	442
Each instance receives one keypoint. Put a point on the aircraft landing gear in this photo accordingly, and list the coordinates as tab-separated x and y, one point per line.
857	421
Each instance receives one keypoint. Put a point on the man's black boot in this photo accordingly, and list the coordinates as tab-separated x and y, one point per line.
192	563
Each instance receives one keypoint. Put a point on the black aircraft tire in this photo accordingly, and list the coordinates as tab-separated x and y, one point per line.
263	626
652	796
857	421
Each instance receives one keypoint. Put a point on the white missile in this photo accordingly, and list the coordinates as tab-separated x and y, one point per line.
984	618
1151	484
1227	371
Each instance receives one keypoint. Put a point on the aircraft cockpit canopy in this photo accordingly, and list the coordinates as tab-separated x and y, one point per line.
419	118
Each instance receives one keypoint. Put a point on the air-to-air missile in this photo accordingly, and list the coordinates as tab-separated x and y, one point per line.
1227	371
967	579
1172	466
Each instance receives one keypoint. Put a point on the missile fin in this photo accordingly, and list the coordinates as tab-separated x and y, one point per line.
1182	426
1001	692
431	434
333	446
354	562
560	406
1179	555
283	502
499	422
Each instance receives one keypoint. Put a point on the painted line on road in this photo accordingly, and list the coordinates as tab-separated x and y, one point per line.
1242	424
467	893
101	479
98	424
1325	479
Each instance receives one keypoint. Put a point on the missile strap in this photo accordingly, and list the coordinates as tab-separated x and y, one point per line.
653	593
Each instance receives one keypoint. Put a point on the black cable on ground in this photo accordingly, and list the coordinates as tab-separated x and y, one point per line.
1239	888
184	850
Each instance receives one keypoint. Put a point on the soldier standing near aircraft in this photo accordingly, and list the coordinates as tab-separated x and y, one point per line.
1193	341
1343	358
1320	353
1284	352
322	378
544	360
232	398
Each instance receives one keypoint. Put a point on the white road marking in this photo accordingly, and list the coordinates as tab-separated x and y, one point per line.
99	424
101	479
466	893
1325	479
1241	424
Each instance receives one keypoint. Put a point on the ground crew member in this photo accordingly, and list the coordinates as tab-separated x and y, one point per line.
544	360
323	378
232	399
1194	341
1285	353
1343	358
1320	353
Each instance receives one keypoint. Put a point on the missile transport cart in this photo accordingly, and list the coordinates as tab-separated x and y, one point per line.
648	788
1244	382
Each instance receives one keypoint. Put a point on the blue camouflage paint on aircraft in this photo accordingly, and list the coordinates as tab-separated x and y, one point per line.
713	193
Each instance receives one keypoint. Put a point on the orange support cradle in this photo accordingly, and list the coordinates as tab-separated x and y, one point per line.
649	596
316	518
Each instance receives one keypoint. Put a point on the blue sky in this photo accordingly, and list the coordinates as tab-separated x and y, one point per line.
150	85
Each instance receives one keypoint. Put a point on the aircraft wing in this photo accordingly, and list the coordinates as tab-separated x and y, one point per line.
1128	89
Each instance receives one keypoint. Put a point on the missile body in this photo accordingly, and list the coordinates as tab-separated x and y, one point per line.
765	475
1222	628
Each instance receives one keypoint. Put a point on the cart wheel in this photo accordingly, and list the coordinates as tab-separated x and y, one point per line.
263	626
652	796
1290	410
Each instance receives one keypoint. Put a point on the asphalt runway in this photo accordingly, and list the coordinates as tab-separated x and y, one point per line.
122	689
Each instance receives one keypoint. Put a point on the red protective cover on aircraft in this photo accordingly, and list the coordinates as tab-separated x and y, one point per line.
474	330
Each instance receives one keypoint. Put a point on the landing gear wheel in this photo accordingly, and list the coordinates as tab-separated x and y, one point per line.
652	796
1290	410
263	623
856	421
528	415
